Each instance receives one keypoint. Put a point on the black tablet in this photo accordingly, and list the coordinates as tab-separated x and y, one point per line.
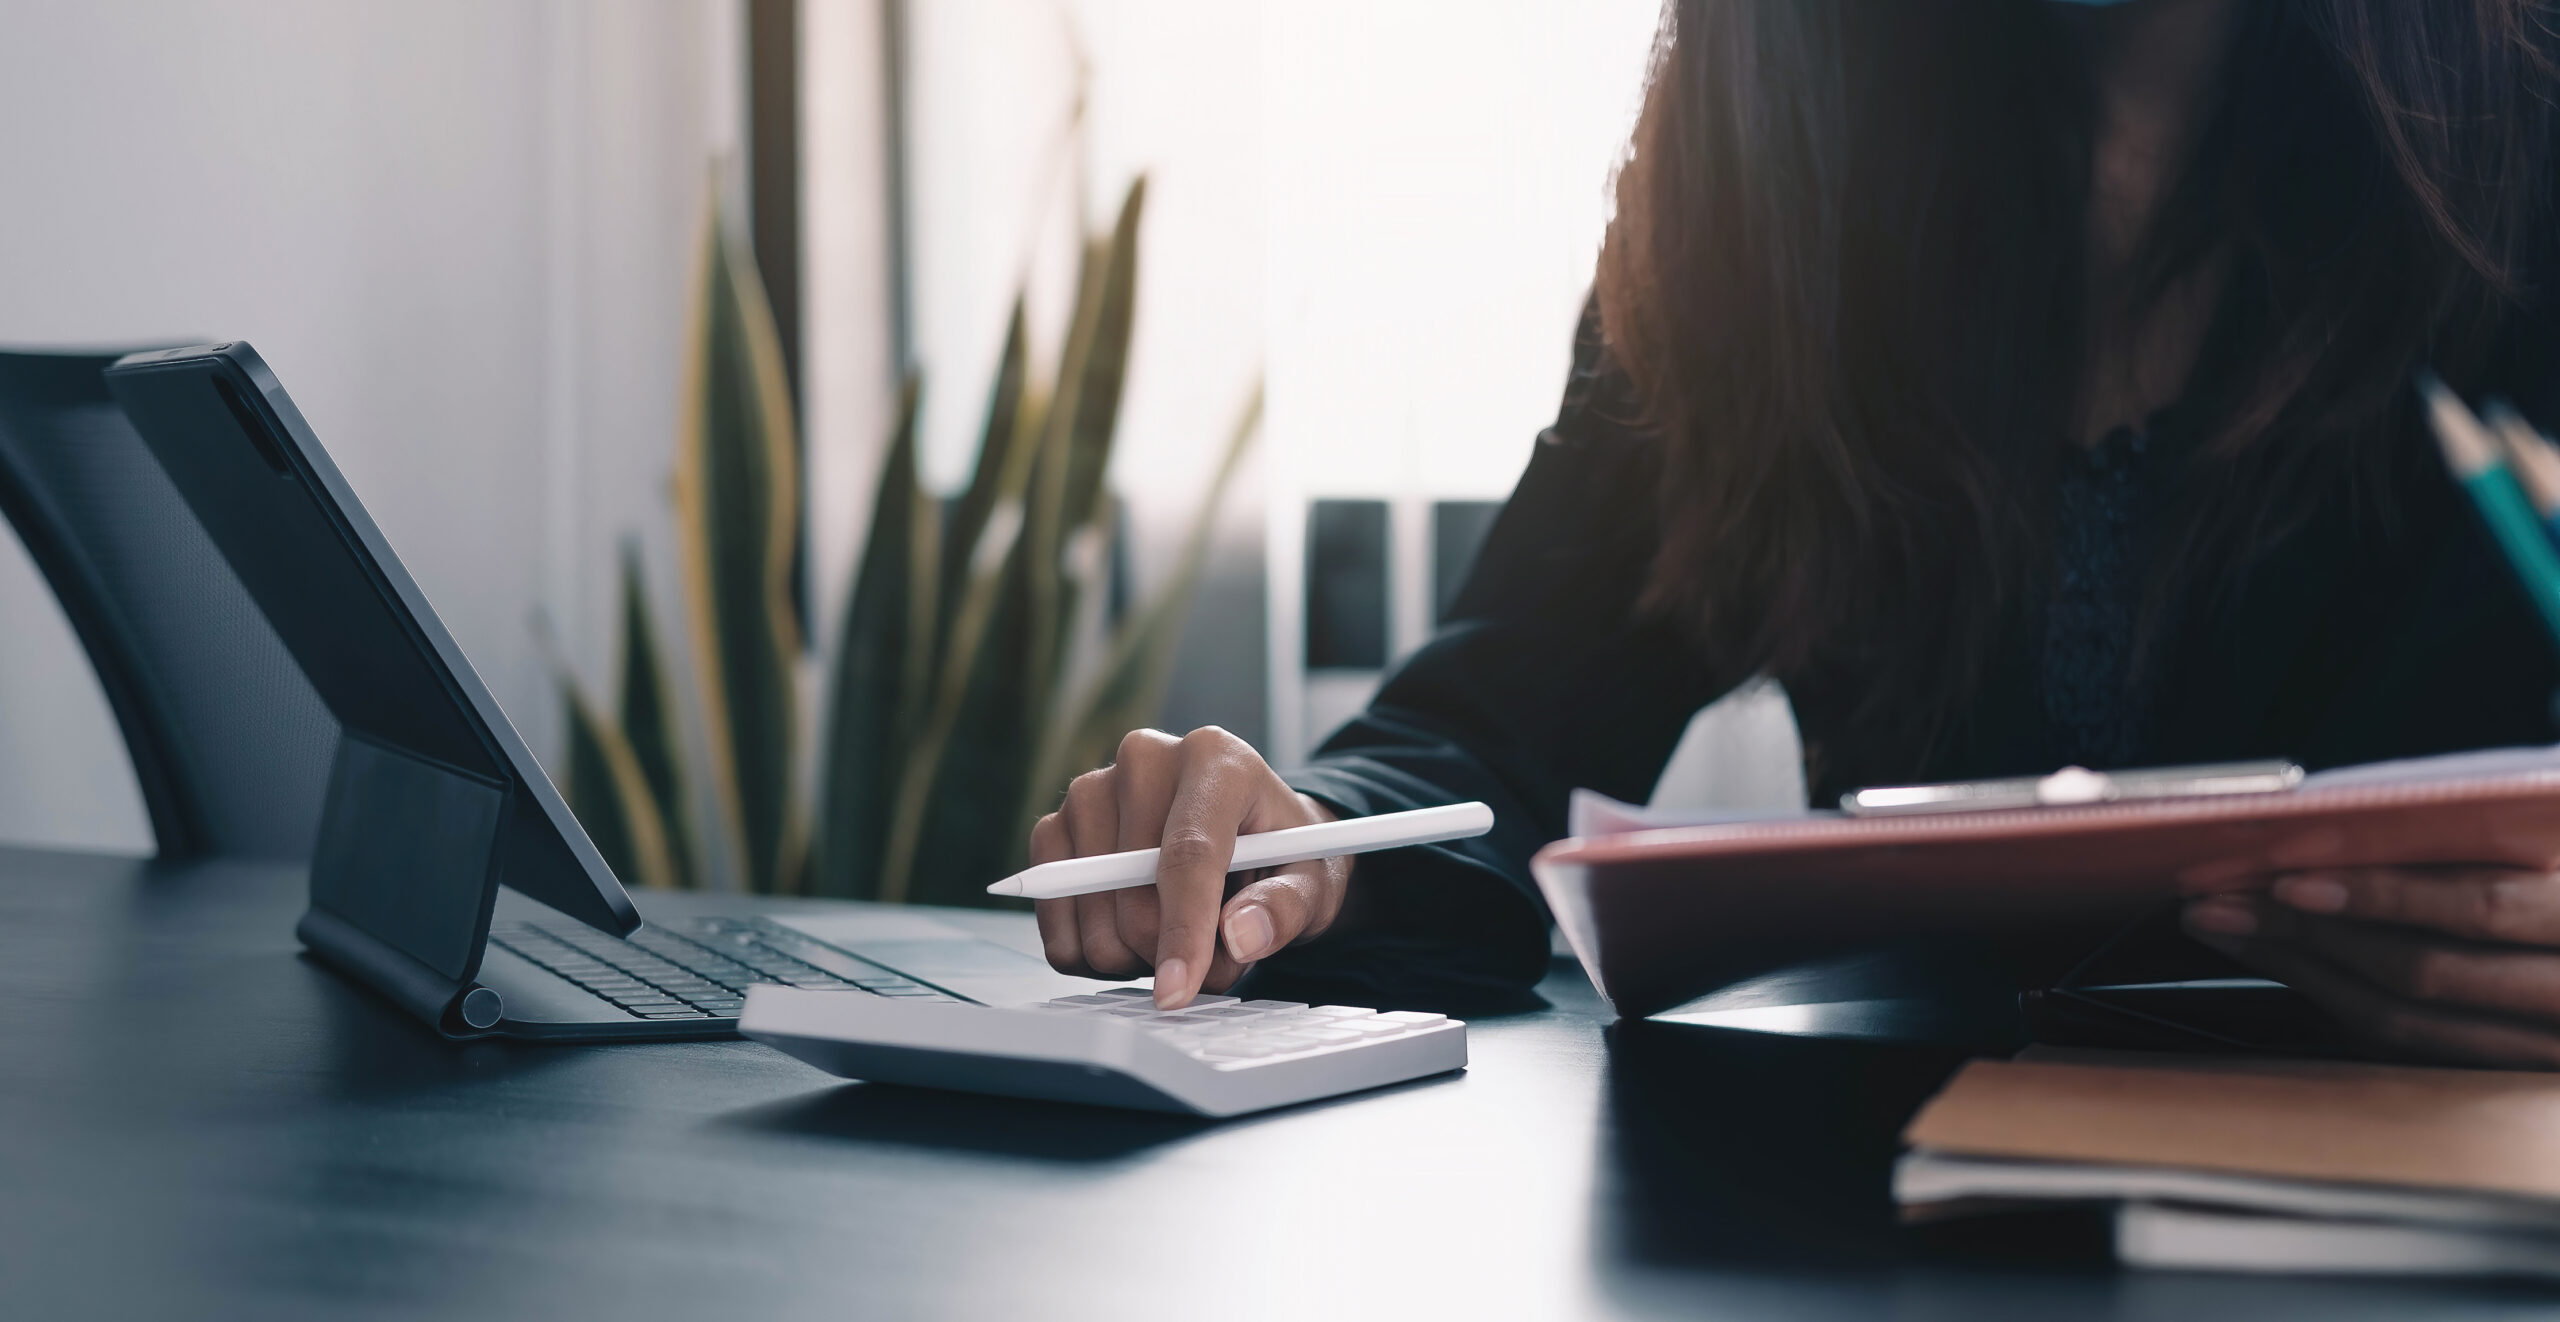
434	800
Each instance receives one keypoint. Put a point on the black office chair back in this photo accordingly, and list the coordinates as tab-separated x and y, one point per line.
230	744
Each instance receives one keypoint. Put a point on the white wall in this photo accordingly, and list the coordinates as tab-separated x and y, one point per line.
463	233
992	186
997	197
1390	207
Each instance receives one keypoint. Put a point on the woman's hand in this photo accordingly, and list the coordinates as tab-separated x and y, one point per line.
2458	964
1192	797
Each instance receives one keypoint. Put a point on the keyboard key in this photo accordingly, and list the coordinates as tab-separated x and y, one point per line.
1364	1027
1329	1034
1271	1005
1086	1000
1169	1026
1341	1012
1207	1002
1414	1018
1231	1012
1125	993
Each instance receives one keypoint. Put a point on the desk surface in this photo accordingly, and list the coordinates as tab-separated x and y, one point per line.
197	1122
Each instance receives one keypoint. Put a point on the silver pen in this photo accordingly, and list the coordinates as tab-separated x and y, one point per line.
2072	786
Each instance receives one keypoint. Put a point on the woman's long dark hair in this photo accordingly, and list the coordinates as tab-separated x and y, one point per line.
1845	276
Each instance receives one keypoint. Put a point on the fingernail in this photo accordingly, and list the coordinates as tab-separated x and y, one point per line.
1173	983
2221	917
2313	894
1248	934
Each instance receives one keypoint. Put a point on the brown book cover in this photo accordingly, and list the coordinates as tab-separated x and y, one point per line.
2476	1131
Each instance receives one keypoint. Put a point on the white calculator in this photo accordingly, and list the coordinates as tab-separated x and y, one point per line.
1217	1056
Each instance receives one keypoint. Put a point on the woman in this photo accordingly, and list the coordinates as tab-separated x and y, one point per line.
2022	384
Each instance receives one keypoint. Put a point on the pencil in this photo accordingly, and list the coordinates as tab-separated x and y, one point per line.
2472	455
2535	460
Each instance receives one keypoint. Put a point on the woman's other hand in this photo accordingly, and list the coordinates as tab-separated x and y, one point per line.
1191	797
2456	964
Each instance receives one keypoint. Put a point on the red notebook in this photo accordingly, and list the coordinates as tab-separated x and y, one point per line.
1663	915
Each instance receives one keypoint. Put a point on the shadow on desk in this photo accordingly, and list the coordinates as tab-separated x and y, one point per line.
1730	1155
952	1121
1063	1132
376	1052
1731	1148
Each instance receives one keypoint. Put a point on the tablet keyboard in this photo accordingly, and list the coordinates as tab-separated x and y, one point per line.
697	969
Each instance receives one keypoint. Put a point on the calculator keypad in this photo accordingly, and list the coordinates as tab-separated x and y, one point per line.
1230	1033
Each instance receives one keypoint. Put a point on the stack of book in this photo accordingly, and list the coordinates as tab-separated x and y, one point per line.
2254	1164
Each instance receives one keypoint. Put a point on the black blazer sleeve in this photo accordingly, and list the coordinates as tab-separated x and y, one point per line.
1546	678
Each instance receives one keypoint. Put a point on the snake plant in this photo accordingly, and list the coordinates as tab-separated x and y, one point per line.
956	707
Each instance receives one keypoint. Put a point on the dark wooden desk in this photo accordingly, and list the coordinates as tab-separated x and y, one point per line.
195	1122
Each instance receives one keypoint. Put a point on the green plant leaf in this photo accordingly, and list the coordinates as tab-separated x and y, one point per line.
954	828
1003	433
1105	368
737	500
964	832
1127	691
611	798
981	627
1075	453
649	717
881	669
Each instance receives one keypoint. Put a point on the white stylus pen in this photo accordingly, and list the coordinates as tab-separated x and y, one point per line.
1295	844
